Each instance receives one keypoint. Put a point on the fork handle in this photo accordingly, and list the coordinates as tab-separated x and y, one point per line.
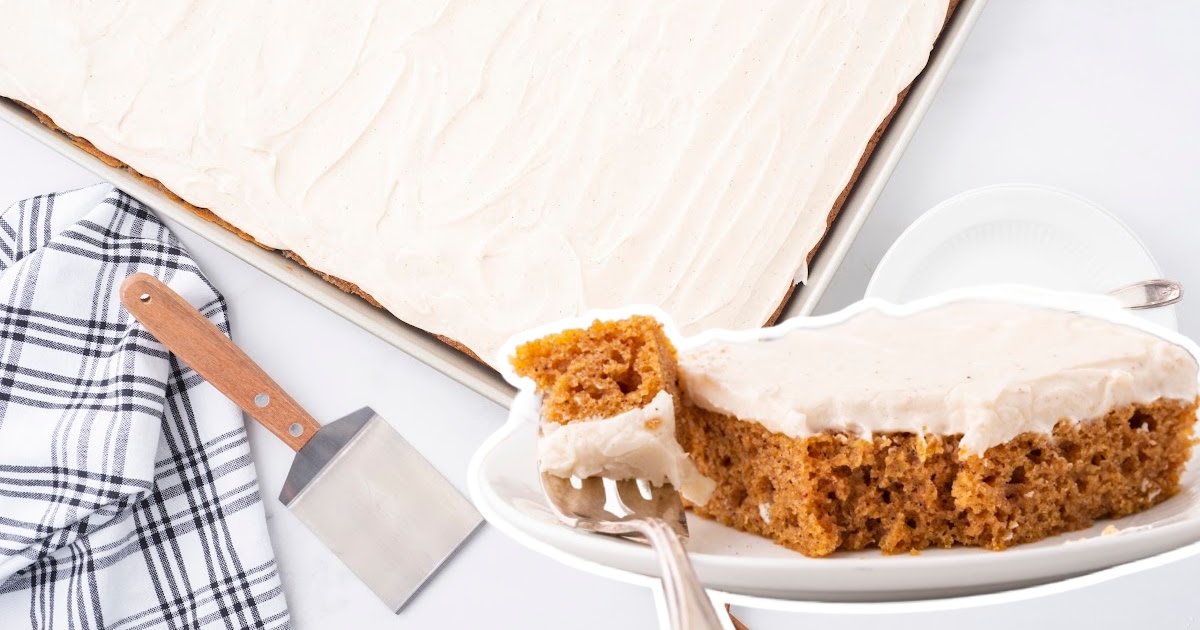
688	606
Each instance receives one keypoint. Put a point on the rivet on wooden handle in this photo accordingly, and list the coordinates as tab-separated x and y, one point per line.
200	344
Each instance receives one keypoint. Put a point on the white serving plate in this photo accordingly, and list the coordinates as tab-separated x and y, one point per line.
456	365
506	490
1016	234
505	487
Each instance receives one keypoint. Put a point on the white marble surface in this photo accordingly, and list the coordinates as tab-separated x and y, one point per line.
1098	97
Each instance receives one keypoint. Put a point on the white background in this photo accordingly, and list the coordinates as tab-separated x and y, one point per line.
1099	97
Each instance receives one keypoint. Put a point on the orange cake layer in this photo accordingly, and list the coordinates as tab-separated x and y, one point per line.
903	492
609	369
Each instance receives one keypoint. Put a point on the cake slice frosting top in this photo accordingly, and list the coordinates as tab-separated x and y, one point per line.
987	370
481	168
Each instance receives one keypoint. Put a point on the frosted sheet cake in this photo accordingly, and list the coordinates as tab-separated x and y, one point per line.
976	423
481	168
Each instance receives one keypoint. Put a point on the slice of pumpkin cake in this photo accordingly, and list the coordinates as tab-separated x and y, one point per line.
975	422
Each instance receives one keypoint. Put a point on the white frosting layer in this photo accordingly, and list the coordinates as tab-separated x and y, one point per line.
637	444
484	167
987	370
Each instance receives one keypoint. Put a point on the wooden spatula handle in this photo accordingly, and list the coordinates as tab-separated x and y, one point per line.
200	344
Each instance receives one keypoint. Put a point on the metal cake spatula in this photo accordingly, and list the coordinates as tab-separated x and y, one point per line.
359	486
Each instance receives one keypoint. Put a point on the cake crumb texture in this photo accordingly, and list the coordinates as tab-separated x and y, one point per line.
902	492
607	369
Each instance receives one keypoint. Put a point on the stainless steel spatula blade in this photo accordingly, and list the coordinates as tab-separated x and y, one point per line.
363	490
381	507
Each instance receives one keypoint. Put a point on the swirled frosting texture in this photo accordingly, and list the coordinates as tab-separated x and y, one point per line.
986	370
484	167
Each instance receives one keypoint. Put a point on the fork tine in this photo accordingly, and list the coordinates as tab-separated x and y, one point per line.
591	501
587	501
663	503
631	496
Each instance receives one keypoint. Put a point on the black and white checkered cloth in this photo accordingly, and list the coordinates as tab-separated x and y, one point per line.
128	498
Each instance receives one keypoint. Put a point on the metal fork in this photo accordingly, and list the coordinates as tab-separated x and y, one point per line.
1149	293
620	508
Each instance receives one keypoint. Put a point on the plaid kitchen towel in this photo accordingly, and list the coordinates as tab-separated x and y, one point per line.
127	495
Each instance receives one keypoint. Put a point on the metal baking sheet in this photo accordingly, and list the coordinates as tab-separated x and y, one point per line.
431	351
883	160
